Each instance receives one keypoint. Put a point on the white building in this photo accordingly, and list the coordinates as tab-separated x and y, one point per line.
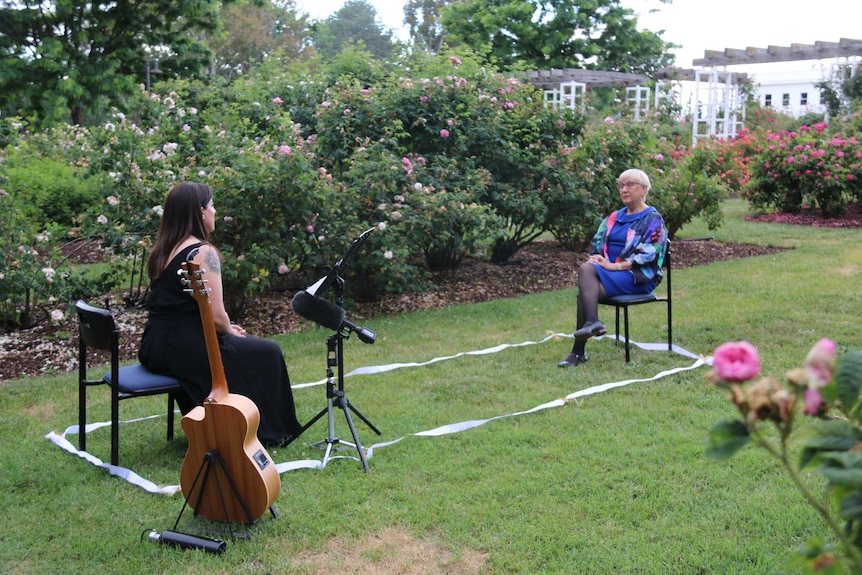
793	92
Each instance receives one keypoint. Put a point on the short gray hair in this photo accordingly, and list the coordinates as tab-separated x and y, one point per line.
638	176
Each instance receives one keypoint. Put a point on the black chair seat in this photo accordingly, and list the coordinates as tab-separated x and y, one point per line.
137	380
630	299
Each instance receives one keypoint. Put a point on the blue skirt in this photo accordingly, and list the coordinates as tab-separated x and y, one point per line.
622	282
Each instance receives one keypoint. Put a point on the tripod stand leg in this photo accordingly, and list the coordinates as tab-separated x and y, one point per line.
304	427
344	404
362	417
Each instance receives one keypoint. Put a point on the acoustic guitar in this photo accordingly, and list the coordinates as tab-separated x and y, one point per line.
227	475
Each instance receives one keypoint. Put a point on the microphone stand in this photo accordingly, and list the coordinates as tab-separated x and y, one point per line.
336	397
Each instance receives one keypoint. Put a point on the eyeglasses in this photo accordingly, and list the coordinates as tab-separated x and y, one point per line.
625	185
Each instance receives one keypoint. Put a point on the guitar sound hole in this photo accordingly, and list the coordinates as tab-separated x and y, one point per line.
261	459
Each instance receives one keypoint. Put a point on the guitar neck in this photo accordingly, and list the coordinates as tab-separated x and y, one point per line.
201	295
219	389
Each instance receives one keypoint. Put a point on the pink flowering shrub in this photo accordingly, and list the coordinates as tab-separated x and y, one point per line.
811	166
816	425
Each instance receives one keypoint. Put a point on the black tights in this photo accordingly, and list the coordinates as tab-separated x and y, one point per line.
590	291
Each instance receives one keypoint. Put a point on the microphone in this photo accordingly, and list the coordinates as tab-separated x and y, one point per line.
185	541
328	315
318	310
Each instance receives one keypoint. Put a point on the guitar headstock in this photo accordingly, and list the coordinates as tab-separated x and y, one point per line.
192	276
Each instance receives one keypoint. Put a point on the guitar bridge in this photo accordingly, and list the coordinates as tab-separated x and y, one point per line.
261	459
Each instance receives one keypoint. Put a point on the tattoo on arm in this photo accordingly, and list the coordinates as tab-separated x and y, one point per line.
212	261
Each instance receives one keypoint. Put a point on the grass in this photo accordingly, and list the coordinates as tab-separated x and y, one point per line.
613	483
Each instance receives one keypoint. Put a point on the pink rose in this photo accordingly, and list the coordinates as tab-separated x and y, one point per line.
813	399
444	133
820	363
736	361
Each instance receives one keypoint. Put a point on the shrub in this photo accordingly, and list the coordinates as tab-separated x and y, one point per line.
813	165
684	189
36	281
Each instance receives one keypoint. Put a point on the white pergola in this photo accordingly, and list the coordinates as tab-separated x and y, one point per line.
719	109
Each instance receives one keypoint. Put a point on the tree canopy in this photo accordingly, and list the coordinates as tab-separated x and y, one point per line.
68	59
595	34
356	21
423	19
252	29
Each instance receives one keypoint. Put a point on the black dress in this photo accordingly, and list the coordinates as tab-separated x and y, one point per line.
173	344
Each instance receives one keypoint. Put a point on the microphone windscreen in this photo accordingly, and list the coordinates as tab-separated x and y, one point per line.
318	310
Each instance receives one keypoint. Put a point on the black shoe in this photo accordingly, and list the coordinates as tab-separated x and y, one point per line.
573	360
589	330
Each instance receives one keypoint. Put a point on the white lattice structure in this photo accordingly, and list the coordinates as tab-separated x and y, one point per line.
569	95
638	99
721	113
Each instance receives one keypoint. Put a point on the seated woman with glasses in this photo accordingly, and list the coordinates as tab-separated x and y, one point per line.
626	258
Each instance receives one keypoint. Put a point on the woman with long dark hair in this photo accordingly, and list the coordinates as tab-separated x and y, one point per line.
173	342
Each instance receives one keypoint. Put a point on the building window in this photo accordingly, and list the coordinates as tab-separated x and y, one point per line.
803	99
785	99
767	100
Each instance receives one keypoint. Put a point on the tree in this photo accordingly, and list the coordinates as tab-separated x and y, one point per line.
600	34
73	59
253	30
356	21
423	18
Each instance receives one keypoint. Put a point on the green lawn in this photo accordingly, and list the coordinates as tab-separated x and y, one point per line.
614	482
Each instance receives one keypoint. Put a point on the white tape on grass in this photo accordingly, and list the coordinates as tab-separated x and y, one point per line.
135	479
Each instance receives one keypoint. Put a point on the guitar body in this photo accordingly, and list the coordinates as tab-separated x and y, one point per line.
227	475
234	420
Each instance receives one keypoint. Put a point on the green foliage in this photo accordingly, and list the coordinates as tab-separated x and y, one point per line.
727	438
684	188
46	187
36	281
252	29
542	34
423	20
354	23
848	380
248	150
78	59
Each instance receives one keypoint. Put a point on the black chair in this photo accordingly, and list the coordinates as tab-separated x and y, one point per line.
99	331
624	302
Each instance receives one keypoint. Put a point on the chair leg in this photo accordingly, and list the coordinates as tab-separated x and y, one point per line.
669	327
617	329
626	320
115	426
170	416
82	416
82	395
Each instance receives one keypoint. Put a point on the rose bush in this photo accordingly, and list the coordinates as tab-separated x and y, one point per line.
812	166
815	412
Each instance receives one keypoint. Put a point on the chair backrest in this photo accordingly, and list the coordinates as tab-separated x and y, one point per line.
98	329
